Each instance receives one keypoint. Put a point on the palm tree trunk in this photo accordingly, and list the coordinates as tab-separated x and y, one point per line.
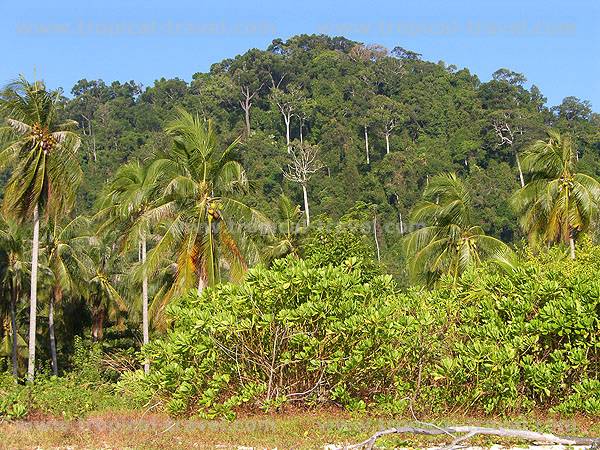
201	284
53	298
13	326
145	304
98	325
572	246
521	178
201	280
33	294
306	210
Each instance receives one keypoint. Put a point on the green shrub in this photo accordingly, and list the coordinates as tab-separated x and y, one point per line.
292	332
67	397
310	333
75	395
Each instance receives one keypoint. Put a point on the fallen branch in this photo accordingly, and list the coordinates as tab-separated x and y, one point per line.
468	432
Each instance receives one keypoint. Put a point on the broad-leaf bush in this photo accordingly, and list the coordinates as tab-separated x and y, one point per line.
292	332
307	333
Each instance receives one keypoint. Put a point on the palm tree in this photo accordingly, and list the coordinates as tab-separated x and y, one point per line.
40	150
15	270
556	203
285	239
104	267
449	242
199	189
63	253
132	202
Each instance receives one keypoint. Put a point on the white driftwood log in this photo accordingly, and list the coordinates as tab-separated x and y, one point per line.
467	432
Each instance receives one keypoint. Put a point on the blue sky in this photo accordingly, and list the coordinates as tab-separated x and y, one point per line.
554	43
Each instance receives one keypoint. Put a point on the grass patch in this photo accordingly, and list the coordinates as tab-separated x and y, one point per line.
298	430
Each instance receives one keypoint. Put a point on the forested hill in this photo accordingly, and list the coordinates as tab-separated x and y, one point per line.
419	118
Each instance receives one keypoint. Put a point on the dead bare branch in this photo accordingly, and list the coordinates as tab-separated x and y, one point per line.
305	162
470	431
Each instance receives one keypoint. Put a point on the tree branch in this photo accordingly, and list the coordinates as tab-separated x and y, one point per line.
469	432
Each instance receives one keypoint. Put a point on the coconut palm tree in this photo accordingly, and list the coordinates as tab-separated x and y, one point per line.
64	257
132	203
40	149
200	187
14	269
556	203
285	240
104	274
449	242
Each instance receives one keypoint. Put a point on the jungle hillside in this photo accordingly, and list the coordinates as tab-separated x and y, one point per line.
314	231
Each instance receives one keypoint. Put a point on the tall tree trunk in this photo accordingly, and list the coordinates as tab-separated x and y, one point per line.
287	120
246	105
306	210
367	144
301	134
98	324
387	143
54	298
33	294
399	214
572	245
521	178
201	281
15	335
401	223
145	304
247	118
376	240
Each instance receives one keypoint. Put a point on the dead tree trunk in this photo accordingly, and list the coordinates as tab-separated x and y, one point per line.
506	134
246	104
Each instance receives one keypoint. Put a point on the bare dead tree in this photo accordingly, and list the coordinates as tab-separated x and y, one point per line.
286	111
507	135
286	103
275	85
246	103
305	163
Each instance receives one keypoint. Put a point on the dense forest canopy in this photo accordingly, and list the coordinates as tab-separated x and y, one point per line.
385	122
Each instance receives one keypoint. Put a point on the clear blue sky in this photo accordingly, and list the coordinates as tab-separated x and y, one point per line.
554	43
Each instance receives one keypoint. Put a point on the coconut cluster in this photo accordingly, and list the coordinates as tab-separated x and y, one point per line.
42	136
